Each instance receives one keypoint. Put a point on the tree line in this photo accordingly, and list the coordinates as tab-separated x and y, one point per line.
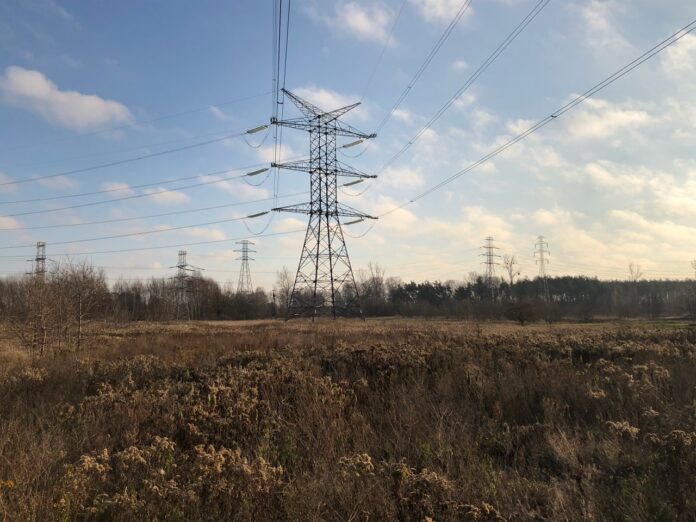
47	311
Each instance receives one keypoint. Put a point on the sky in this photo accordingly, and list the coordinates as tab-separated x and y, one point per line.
610	183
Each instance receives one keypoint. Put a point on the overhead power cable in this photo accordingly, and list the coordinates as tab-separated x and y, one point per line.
130	160
387	42
161	247
130	187
136	234
428	59
671	40
151	216
137	123
509	39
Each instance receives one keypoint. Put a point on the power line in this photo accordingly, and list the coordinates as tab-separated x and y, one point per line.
133	196
135	123
150	216
672	39
429	58
129	187
384	48
161	247
509	39
130	160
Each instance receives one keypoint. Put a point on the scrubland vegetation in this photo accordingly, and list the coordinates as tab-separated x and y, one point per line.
348	420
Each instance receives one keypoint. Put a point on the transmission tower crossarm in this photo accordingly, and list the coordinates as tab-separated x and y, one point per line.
341	169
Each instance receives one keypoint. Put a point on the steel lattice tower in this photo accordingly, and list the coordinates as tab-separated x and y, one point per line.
541	250
324	284
244	284
490	262
183	279
40	260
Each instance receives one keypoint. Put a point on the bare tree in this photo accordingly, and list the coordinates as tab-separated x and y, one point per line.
634	272
283	289
693	265
510	265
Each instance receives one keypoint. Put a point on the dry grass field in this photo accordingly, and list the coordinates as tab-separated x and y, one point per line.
348	420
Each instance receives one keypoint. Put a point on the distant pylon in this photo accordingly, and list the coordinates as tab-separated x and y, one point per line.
490	261
183	287
541	250
324	284
244	285
40	260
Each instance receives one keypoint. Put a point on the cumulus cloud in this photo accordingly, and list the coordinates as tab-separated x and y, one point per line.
238	189
601	119
163	196
601	31
439	10
207	234
680	58
9	223
402	177
31	90
118	189
366	21
326	99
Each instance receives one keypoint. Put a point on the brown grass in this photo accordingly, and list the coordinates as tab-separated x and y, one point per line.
382	420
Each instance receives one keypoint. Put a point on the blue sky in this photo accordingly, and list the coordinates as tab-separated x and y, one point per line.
613	182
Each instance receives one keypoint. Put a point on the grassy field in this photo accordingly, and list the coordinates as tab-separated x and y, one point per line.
379	420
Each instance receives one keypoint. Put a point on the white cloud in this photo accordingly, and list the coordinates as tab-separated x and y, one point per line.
238	189
163	196
8	222
219	113
403	177
31	90
604	175
680	58
601	119
440	10
402	114
486	223
58	182
118	189
326	99
366	21
208	234
464	101
265	154
460	65
601	31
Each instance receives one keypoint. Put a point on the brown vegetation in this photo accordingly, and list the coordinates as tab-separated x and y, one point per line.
376	420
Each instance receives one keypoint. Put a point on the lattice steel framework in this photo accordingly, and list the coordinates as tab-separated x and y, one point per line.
182	288
490	258
541	250
324	284
40	260
244	285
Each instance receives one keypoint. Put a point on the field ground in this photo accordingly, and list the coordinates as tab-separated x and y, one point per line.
391	419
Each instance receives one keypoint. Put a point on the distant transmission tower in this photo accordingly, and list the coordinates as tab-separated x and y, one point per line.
40	260
244	285
183	287
324	284
541	250
490	261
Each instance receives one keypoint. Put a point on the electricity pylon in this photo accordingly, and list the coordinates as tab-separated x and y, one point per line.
183	287
541	250
324	284
244	285
490	262
40	260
